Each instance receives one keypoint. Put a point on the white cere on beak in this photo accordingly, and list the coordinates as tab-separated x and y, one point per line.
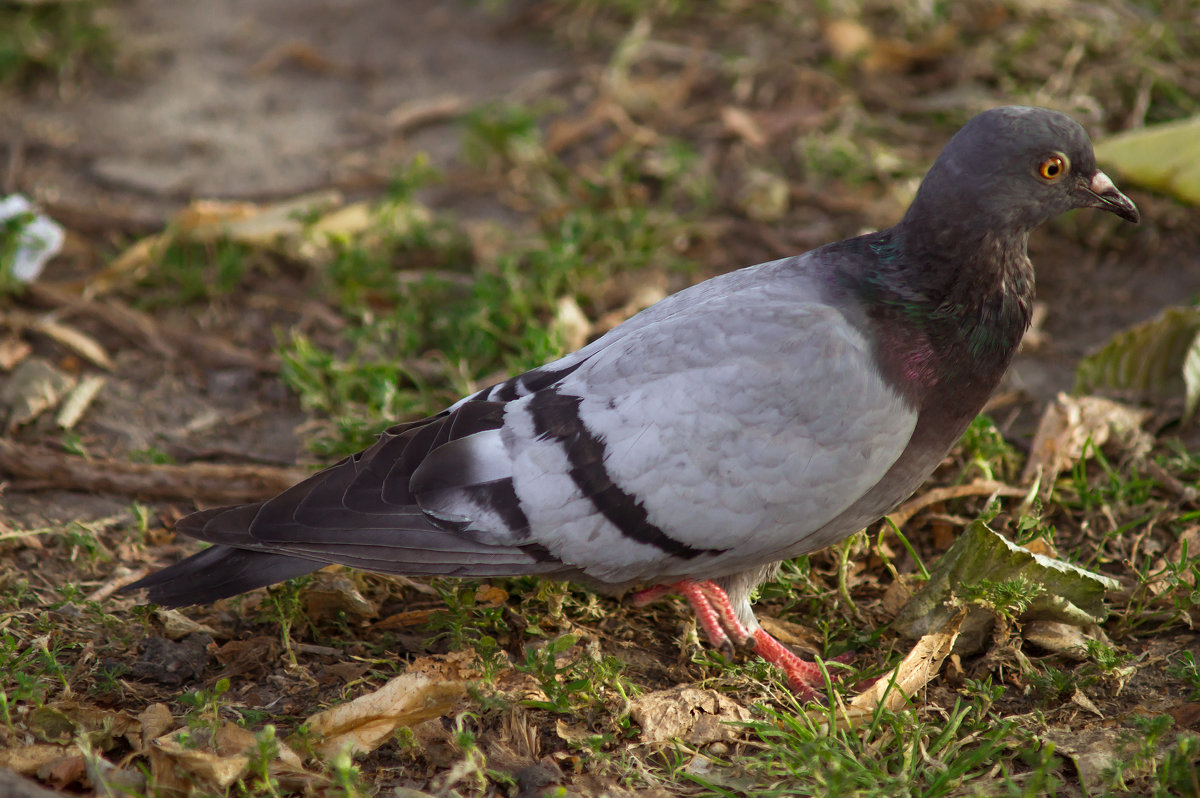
1102	183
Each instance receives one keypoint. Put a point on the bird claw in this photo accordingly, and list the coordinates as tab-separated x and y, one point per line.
725	632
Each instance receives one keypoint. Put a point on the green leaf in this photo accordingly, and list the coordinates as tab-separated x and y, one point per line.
561	644
1059	591
1163	157
1154	361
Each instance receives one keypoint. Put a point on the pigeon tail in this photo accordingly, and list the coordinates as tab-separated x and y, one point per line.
220	572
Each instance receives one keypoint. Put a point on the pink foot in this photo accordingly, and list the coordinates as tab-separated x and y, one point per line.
716	615
804	677
714	611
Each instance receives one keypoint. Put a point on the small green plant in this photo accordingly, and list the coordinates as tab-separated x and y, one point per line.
986	450
265	751
798	756
285	609
152	455
72	443
1105	657
142	513
78	538
1176	771
464	620
472	766
206	704
1186	668
189	272
1006	599
1052	684
1140	751
1033	526
10	242
500	135
346	776
580	682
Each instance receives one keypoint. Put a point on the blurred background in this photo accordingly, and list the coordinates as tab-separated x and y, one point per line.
271	228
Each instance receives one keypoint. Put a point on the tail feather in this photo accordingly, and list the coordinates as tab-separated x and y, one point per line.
362	512
220	572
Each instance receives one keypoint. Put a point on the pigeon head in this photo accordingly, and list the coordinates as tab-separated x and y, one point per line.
1010	169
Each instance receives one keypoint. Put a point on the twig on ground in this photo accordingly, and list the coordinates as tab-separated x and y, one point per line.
117	582
169	342
983	487
209	483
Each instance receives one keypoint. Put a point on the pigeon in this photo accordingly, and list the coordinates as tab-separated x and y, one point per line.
757	416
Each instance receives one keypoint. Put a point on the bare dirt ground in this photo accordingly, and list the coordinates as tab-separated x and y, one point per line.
265	99
260	100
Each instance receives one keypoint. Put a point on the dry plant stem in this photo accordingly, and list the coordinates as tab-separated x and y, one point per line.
207	483
982	487
117	582
170	342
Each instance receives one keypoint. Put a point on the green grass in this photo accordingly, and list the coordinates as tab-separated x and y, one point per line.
462	323
54	41
906	753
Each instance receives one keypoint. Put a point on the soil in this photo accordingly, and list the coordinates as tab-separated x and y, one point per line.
252	100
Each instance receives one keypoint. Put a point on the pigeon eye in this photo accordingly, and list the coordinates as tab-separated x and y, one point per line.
1053	167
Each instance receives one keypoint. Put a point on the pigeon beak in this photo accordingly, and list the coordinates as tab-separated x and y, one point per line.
1106	196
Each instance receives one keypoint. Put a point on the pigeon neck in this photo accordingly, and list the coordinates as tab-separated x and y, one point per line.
949	306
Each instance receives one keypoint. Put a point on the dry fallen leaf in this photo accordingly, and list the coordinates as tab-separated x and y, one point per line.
847	38
27	759
695	716
279	225
156	720
74	339
1095	750
916	670
570	324
176	767
78	401
1057	637
742	124
232	739
792	634
34	387
764	195
63	771
980	487
12	351
368	721
1069	423
177	626
332	594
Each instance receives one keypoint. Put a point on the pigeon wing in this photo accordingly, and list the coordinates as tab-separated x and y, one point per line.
719	436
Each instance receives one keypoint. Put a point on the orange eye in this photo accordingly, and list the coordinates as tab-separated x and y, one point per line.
1053	167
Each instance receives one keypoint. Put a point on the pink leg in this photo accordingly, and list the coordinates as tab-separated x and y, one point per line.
707	615
716	615
729	619
644	597
804	677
